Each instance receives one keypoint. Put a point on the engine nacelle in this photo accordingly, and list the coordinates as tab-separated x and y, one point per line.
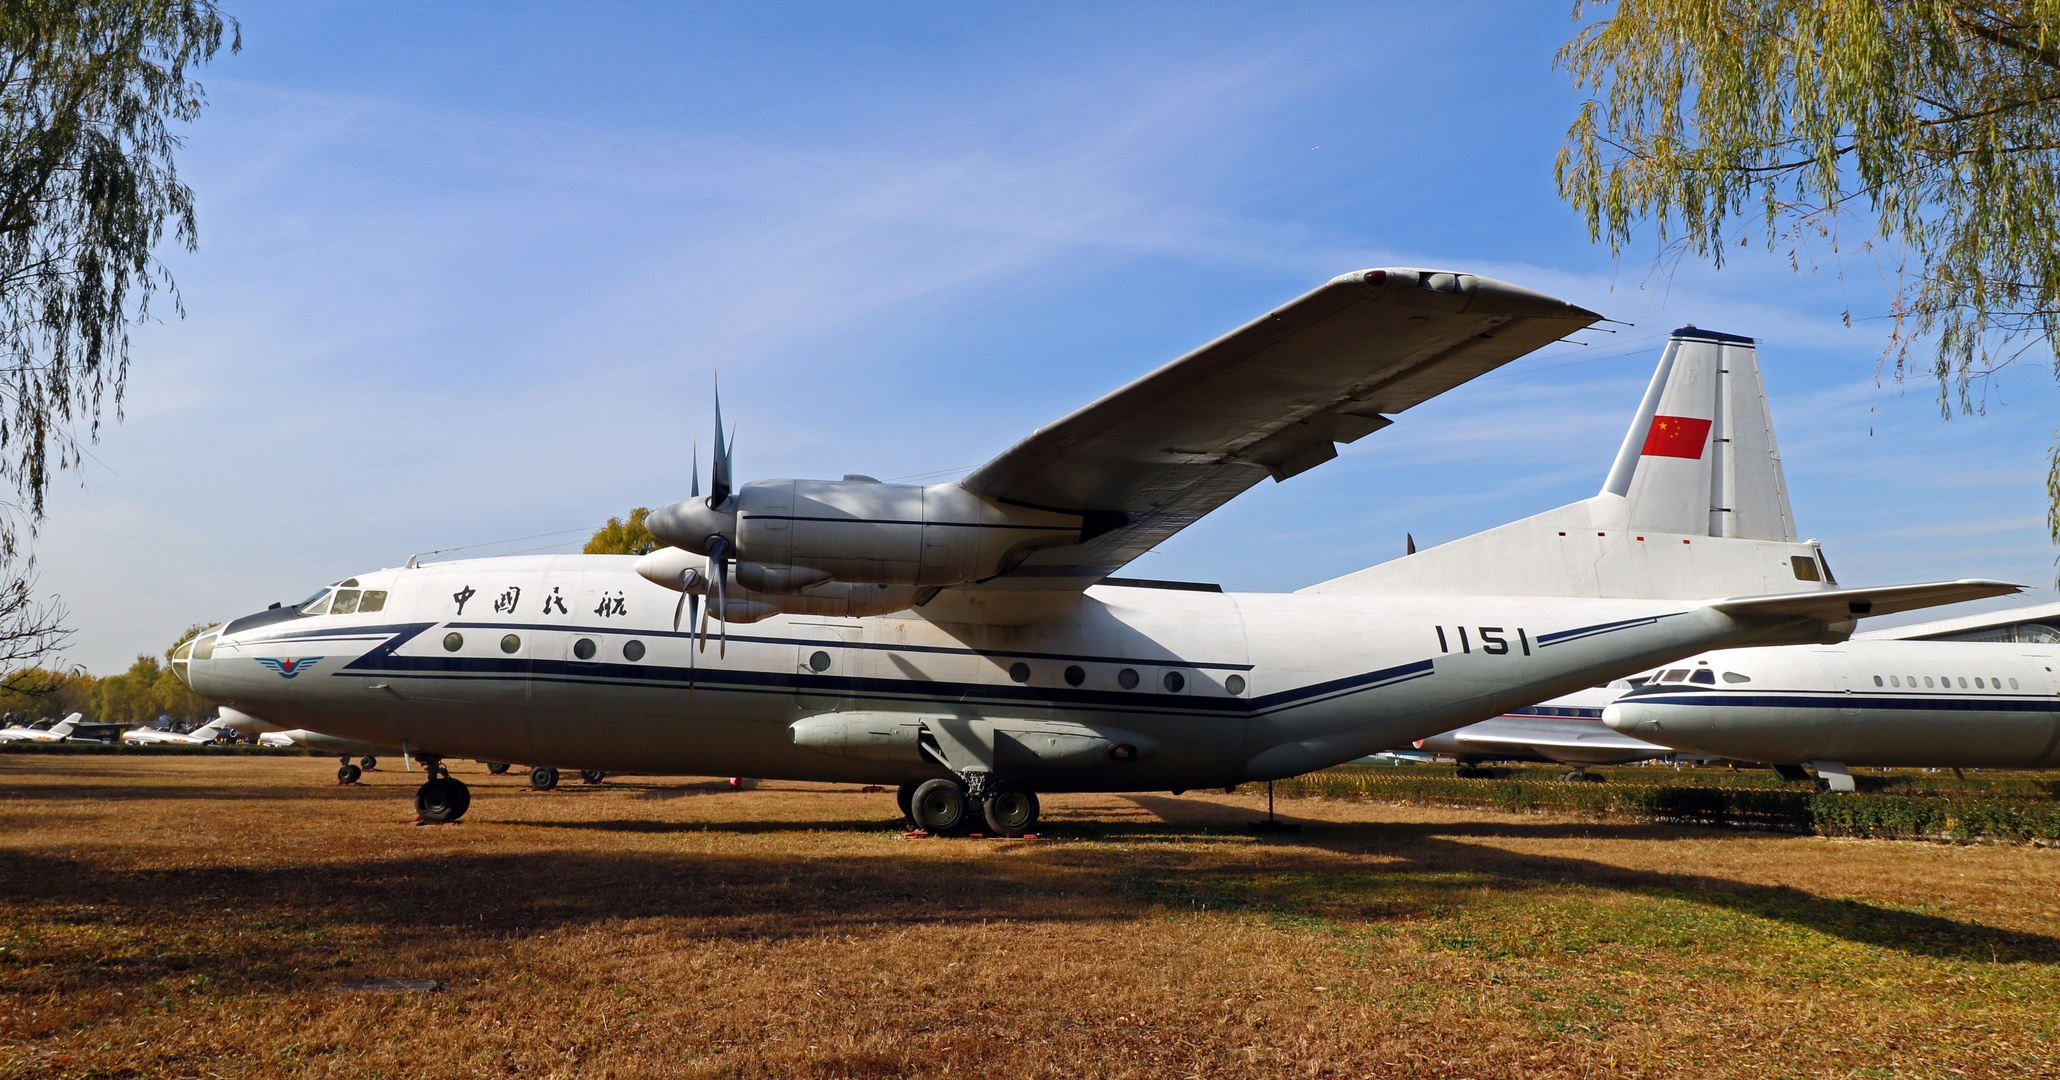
794	536
746	605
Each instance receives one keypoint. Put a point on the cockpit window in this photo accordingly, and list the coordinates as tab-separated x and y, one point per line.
1703	675
373	600
346	602
1675	675
1732	676
316	604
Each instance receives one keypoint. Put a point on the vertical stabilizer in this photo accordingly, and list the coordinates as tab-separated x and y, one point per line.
1694	506
1700	456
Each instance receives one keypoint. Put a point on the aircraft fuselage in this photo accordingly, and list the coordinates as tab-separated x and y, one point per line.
573	661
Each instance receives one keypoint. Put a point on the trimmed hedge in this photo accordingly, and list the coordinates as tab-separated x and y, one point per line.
90	749
1857	814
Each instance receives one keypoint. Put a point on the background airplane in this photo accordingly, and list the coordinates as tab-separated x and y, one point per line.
57	732
1972	692
1567	730
968	641
148	736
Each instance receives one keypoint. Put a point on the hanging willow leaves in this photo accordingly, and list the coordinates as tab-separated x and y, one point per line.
88	96
1926	132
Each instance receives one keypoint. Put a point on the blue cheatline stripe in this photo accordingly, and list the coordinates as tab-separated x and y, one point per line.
385	661
1561	637
742	638
1834	699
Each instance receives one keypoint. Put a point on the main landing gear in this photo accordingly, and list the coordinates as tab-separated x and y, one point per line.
543	778
347	773
442	798
948	807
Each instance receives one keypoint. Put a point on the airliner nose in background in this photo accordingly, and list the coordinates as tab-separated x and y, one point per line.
968	642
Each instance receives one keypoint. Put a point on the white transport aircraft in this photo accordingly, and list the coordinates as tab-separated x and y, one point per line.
1974	692
967	641
57	732
149	736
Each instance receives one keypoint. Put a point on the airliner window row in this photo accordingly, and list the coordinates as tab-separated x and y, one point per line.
1548	710
1944	682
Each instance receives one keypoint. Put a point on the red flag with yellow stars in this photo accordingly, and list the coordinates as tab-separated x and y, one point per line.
1677	436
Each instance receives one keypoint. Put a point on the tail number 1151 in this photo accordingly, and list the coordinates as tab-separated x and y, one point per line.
1493	640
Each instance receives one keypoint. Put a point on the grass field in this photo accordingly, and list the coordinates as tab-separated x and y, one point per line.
196	917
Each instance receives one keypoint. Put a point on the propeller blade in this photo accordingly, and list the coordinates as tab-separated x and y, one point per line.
693	614
722	589
719	470
720	565
687	579
695	491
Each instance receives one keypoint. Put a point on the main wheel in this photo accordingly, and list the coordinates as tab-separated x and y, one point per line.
902	797
497	768
368	762
592	776
442	799
543	778
1011	811
939	807
347	774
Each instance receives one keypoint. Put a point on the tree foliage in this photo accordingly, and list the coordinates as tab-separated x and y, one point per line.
620	537
1925	131
88	94
139	695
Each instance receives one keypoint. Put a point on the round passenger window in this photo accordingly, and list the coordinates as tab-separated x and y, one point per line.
1174	682
510	643
1075	676
583	648
1127	679
819	661
453	641
1019	671
1235	685
633	650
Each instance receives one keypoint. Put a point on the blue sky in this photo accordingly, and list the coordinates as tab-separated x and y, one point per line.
466	273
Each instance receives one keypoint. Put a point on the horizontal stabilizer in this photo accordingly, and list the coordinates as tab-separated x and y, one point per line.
1840	605
1600	740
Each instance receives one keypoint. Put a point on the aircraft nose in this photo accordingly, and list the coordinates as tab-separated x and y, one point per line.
1613	715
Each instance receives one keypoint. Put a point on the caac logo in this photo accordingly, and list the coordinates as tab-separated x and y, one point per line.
287	669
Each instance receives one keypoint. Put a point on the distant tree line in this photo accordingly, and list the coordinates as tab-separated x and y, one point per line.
135	697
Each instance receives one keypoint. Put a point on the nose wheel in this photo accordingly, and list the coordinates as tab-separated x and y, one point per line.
443	798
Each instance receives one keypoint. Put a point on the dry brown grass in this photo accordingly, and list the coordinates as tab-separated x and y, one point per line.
194	917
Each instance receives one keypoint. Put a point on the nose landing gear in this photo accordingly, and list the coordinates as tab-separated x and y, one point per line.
442	798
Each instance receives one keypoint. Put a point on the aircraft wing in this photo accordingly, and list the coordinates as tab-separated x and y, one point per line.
1840	605
1271	398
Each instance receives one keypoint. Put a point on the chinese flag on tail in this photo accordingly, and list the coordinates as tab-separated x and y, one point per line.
1677	436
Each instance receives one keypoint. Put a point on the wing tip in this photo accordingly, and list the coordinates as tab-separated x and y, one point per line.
1483	294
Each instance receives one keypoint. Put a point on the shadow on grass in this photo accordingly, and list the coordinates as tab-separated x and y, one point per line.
293	919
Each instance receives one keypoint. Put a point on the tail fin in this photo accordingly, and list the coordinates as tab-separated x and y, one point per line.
1695	505
64	727
208	730
1700	456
